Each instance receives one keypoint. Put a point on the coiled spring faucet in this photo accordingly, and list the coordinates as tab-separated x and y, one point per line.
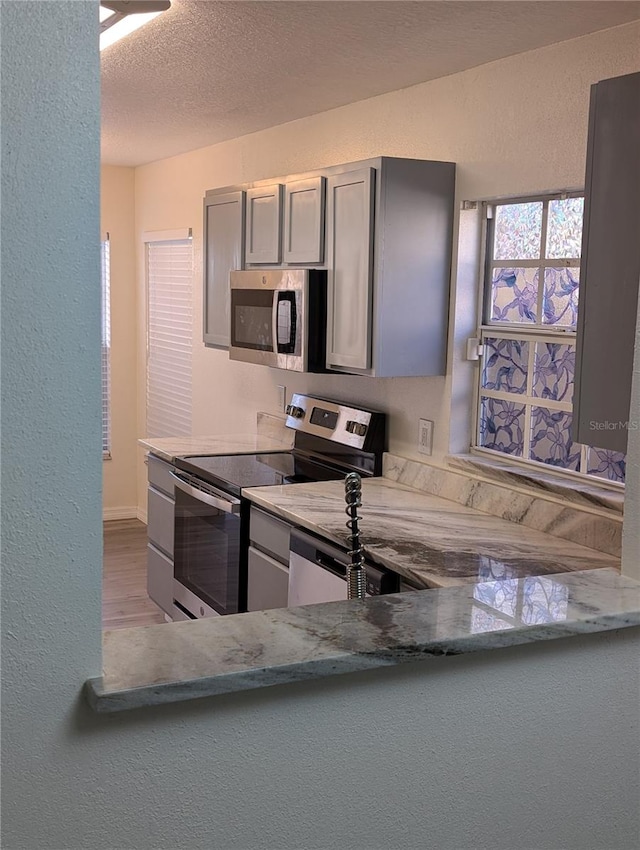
356	574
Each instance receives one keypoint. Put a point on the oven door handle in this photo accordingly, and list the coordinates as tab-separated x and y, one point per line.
229	506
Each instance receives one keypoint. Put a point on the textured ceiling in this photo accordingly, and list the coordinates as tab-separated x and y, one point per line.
206	71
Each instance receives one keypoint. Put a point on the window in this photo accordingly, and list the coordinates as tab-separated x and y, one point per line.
531	291
169	335
105	275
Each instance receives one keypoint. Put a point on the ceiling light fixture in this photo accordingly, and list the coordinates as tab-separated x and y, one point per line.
121	17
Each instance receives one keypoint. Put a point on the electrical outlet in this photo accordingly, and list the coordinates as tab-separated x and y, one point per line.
425	436
282	397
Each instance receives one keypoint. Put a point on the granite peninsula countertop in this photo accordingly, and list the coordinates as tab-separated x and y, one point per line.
151	665
169	448
434	542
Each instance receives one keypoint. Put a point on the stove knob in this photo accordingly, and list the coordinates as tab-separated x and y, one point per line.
358	428
296	412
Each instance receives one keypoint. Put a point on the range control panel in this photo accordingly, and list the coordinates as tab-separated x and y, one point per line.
341	423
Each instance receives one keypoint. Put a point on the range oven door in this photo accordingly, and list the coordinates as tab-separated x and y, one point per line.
208	576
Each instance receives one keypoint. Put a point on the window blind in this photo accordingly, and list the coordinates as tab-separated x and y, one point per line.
105	276
169	337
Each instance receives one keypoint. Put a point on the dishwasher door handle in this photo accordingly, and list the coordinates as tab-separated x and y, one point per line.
331	565
228	506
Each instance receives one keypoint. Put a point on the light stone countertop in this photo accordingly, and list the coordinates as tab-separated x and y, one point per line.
169	448
183	661
432	541
500	585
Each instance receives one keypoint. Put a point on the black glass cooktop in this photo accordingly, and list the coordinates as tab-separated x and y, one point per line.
233	472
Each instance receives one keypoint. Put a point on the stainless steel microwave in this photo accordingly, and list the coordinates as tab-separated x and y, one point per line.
279	318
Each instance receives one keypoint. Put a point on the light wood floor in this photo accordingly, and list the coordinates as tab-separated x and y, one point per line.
124	577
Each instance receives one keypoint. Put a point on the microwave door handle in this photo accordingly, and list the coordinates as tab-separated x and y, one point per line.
284	300
231	506
274	321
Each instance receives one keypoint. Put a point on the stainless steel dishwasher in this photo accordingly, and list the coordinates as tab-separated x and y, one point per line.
318	572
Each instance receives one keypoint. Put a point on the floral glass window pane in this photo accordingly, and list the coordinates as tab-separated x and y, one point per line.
564	229
606	464
518	231
544	600
502	426
482	621
514	295
551	439
501	595
553	371
505	365
560	306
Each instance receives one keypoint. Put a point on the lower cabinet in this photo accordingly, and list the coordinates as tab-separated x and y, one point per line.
160	525
160	578
268	582
160	509
268	562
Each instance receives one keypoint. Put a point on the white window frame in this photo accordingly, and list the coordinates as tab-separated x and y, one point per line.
105	342
159	237
533	332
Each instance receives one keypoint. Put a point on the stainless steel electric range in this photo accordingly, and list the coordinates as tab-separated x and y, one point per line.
212	519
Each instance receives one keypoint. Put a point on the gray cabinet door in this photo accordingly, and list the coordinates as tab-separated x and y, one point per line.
267	583
304	221
264	212
223	249
349	268
610	266
160	579
160	515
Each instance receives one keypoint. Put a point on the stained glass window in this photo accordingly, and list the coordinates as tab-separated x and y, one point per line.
528	339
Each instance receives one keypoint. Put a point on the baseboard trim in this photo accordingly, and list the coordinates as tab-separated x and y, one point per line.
119	513
141	514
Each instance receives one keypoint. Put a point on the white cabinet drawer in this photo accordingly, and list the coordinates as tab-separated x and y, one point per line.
160	510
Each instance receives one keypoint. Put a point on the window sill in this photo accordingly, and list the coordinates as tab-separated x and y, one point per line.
177	662
581	493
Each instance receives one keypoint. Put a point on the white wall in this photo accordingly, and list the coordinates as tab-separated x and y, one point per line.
117	218
514	126
534	747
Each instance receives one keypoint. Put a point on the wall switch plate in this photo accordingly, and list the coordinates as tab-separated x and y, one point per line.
282	397
425	437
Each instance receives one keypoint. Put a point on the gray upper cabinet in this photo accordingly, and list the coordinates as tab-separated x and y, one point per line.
389	243
224	216
264	216
304	221
383	230
610	266
349	264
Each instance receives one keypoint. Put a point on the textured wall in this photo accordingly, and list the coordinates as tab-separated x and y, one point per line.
514	126
535	747
117	218
51	443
